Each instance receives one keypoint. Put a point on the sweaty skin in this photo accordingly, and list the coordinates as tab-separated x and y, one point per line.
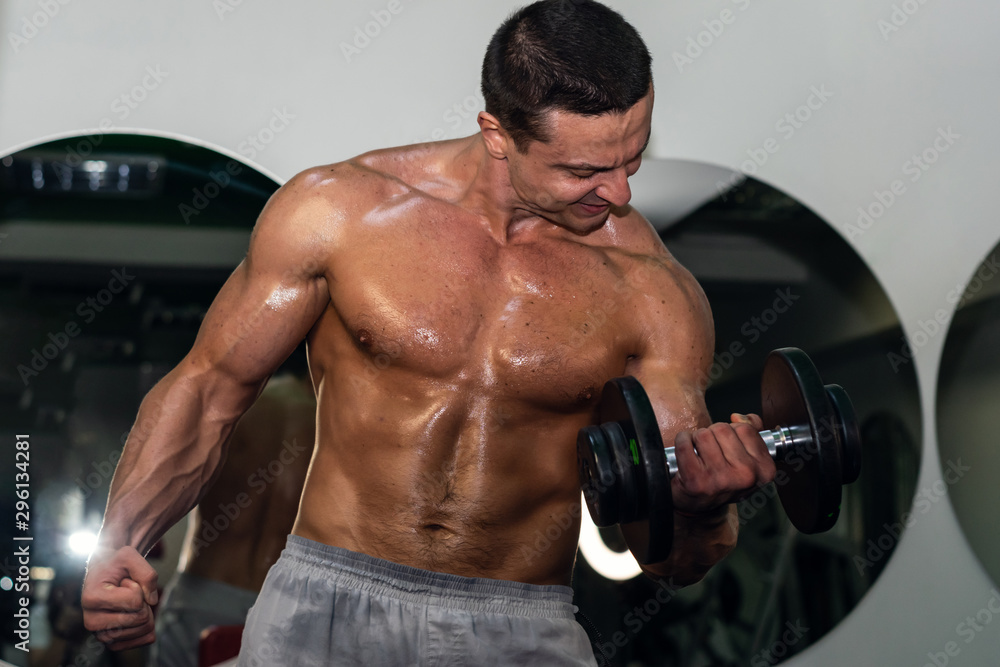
258	491
464	303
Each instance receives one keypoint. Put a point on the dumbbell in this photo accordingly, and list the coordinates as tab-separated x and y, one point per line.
812	435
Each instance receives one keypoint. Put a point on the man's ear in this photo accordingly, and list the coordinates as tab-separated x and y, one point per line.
497	141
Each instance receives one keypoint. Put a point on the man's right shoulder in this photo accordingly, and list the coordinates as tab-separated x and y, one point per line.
345	187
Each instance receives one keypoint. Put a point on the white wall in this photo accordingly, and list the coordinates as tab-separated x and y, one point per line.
226	74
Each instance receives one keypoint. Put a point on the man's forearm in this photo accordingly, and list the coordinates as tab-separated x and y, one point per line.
173	451
699	543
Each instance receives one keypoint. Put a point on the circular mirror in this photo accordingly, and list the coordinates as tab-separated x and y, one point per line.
968	384
111	249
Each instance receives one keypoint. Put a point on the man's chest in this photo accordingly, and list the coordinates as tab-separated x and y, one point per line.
544	322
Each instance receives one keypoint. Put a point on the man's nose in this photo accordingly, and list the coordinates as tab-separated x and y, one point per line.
615	189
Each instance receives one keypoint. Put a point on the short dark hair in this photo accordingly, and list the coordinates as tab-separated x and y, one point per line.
572	55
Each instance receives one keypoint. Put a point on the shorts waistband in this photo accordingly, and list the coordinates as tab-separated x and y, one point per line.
411	584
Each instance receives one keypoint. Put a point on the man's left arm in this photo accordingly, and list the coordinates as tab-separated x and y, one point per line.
719	463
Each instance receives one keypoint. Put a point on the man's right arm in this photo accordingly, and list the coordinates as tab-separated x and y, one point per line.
176	447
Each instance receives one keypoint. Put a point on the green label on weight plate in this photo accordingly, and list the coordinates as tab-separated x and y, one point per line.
632	445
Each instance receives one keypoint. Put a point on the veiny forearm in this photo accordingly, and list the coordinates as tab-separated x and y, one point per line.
699	543
173	452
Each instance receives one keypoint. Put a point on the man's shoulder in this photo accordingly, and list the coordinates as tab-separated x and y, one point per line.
365	182
670	309
340	185
649	267
637	244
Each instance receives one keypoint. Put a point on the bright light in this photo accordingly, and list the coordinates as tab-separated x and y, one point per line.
95	166
82	542
607	562
43	573
6	583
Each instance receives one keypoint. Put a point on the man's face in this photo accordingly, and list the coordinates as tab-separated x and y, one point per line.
581	173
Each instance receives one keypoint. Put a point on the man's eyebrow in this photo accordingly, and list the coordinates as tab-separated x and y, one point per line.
584	166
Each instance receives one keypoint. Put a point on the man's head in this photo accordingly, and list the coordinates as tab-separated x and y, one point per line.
569	55
568	90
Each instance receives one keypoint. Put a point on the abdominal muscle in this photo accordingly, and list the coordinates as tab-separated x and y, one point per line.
440	485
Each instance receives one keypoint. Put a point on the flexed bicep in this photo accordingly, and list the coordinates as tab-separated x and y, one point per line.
276	294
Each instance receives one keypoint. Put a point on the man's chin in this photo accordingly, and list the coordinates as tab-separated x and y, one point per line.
580	224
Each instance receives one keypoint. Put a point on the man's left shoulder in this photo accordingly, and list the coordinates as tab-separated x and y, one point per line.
651	268
633	233
641	247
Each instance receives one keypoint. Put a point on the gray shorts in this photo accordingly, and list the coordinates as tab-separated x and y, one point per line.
191	604
323	605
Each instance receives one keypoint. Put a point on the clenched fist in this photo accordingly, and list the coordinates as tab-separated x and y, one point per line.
720	464
119	594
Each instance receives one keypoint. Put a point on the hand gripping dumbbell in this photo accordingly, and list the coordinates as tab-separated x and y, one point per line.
813	437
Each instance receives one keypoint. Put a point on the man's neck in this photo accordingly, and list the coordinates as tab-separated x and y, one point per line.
488	193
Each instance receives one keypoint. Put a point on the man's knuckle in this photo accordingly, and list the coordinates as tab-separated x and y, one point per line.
720	429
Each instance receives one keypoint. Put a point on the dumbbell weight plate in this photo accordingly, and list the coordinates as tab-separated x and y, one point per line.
650	535
609	479
792	393
599	478
849	431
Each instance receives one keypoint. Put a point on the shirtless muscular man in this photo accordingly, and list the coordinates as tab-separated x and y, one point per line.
445	292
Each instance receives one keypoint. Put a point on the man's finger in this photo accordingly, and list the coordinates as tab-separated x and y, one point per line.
731	444
113	598
106	622
133	643
687	459
141	572
117	635
752	419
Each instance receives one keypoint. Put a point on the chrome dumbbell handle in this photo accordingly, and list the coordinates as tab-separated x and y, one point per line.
779	442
